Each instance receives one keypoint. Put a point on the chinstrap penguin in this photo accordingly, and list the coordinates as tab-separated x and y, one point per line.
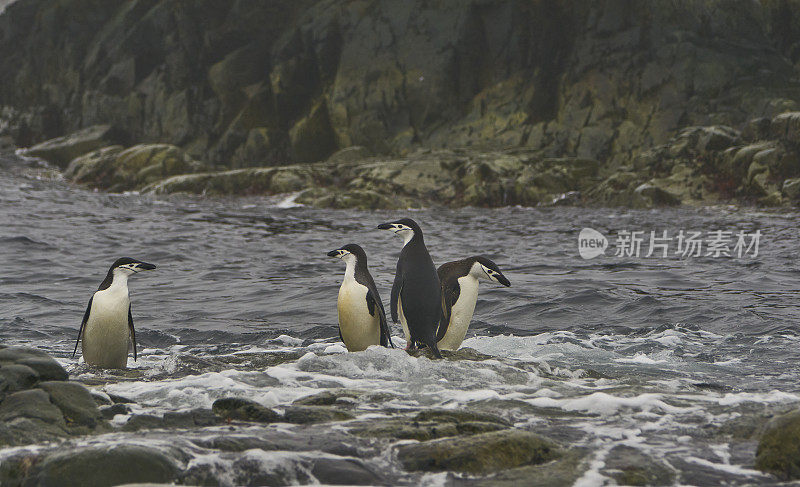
362	319
416	293
460	293
107	328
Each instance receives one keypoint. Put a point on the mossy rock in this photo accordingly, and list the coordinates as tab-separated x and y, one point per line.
459	416
791	189
31	404
312	137
239	409
146	163
263	147
116	169
348	199
115	465
17	377
326	398
61	150
649	195
94	169
779	447
349	154
74	401
240	68
479	454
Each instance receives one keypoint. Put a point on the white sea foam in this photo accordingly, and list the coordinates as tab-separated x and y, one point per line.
622	406
289	201
639	358
606	404
726	467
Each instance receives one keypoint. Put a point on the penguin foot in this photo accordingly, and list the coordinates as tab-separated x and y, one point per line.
435	349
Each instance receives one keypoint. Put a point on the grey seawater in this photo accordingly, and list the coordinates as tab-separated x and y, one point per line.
662	355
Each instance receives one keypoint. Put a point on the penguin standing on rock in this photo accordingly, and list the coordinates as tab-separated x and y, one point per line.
416	293
459	295
107	326
362	320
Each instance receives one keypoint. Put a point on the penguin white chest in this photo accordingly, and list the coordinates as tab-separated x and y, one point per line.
359	329
402	318
106	336
461	314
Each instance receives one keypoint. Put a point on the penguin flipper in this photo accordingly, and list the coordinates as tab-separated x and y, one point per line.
83	323
133	332
450	293
397	286
374	303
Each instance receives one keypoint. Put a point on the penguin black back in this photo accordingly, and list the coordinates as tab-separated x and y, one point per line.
416	285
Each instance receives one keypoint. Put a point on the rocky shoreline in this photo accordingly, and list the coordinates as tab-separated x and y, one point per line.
758	165
563	102
481	446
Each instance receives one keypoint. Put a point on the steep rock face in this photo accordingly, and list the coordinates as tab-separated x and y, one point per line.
245	83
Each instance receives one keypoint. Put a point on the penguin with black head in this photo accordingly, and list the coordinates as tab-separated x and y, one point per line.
107	328
416	293
460	281
362	319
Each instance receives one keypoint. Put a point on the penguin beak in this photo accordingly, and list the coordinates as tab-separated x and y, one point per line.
385	226
144	266
333	253
503	280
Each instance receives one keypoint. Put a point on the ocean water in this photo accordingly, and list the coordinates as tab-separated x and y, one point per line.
661	355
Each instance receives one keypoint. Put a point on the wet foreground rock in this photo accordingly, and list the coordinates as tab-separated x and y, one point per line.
38	404
108	465
479	454
336	436
779	447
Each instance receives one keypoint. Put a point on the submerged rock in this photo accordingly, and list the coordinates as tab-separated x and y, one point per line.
171	419
458	416
779	447
629	466
314	414
112	410
405	429
344	471
479	454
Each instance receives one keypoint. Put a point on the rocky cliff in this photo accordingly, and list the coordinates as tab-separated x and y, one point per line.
245	83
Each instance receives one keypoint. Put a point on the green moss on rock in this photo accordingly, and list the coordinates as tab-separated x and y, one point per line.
479	454
779	447
240	409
